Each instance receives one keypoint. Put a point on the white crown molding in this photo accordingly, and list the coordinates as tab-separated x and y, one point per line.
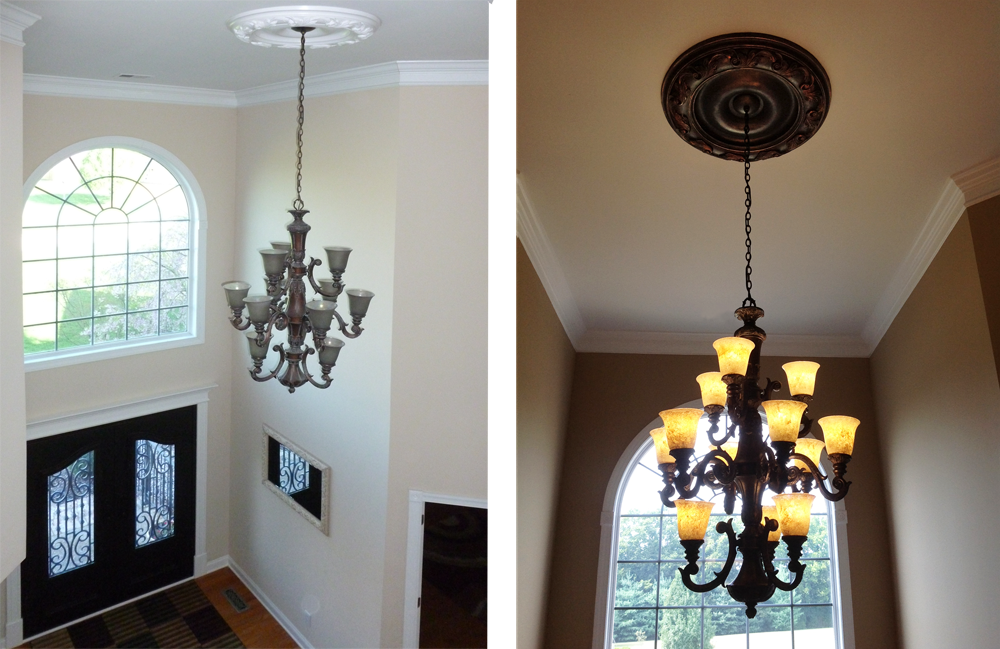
979	183
384	75
372	77
40	84
698	344
536	243
937	227
13	22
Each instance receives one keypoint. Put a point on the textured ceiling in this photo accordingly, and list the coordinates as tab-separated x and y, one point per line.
188	43
648	231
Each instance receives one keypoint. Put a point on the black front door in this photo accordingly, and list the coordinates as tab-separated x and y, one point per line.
110	516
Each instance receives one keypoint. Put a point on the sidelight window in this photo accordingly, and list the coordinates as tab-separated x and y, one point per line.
71	516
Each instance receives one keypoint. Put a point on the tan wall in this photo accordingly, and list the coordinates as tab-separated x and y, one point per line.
204	139
12	405
438	437
938	402
544	378
616	395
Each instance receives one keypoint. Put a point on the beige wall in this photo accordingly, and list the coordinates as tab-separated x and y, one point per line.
12	423
544	377
349	184
438	409
616	395
204	139
938	402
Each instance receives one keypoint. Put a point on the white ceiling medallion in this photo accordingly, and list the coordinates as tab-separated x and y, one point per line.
332	26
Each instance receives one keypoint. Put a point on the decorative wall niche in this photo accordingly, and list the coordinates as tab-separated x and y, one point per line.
297	477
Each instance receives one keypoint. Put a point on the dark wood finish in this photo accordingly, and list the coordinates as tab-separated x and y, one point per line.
707	88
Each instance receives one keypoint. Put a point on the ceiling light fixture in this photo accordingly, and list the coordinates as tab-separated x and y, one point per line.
749	97
285	307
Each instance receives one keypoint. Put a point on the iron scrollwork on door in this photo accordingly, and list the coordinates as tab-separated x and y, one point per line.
71	516
293	471
154	491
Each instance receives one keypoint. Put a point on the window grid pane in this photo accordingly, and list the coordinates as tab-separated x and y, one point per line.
652	609
106	241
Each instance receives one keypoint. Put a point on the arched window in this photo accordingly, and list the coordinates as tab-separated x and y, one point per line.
645	604
110	253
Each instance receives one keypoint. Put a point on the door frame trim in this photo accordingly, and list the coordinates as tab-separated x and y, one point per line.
415	557
107	415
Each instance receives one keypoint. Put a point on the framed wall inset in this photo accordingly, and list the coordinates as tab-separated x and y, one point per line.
297	477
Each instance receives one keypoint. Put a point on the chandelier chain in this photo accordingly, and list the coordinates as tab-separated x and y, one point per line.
297	203
749	301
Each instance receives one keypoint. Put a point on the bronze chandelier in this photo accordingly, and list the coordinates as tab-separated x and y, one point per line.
285	307
749	97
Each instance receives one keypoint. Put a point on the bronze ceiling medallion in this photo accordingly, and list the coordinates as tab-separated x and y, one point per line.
709	87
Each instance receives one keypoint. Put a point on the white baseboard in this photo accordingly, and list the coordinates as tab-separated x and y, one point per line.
216	564
270	606
15	632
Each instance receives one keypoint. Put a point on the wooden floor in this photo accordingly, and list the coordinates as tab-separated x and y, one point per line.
255	627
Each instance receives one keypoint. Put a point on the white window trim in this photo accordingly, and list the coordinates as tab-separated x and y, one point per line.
198	258
603	613
415	557
14	630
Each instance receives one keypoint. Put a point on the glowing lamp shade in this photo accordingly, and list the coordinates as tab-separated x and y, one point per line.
801	377
734	355
663	455
793	513
681	426
839	433
809	447
692	519
783	419
713	390
771	512
730	448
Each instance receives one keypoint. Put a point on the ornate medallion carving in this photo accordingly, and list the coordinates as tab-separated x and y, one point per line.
708	87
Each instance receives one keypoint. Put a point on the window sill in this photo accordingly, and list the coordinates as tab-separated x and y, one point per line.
52	360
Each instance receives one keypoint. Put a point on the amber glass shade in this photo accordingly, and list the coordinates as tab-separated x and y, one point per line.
730	448
734	355
838	431
783	419
769	511
713	390
692	519
801	377
794	513
809	447
663	455
681	426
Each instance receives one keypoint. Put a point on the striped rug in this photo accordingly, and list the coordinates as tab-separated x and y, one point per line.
178	617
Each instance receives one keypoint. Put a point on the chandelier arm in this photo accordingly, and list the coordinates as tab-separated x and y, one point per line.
769	388
772	575
313	263
714	459
239	324
838	483
807	423
714	428
278	321
691	568
669	472
255	373
305	370
355	331
778	475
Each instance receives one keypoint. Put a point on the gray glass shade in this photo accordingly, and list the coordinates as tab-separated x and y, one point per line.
330	351
281	245
274	261
326	285
337	257
260	308
358	300
257	352
235	292
320	313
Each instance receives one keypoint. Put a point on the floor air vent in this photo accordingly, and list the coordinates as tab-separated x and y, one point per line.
235	600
